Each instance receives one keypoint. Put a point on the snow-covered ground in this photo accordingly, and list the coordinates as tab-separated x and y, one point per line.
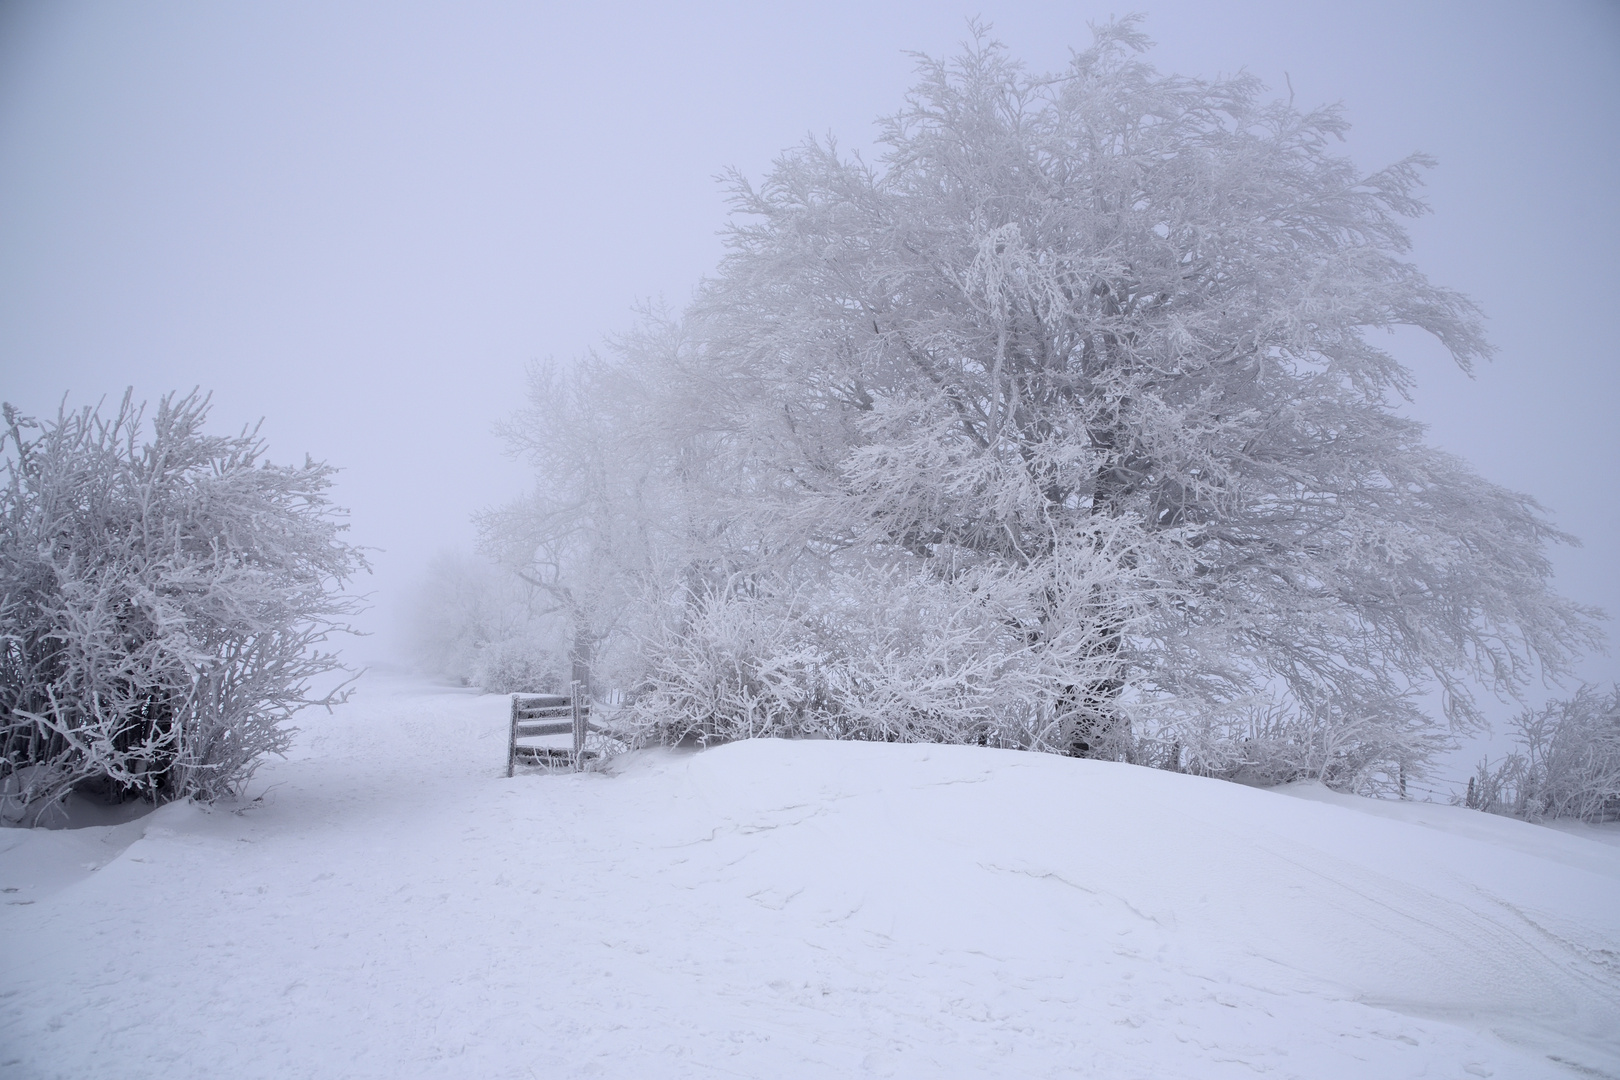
394	906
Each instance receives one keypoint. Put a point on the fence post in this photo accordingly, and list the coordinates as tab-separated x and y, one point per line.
579	693
511	739
579	723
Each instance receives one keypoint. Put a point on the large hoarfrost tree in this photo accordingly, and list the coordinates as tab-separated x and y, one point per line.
164	597
1118	328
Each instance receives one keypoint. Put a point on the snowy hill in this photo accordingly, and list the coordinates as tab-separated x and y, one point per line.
394	906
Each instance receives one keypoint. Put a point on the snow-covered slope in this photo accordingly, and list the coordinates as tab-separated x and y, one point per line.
394	906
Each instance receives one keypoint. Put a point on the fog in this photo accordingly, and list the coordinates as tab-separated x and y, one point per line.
361	222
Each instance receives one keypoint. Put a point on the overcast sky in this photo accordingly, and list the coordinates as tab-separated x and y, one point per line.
361	221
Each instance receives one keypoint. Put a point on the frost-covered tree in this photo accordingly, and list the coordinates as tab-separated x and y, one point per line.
1112	327
608	497
164	598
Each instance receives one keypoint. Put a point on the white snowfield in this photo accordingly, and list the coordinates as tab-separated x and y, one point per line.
395	907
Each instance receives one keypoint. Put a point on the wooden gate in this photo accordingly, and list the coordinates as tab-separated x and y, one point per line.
537	715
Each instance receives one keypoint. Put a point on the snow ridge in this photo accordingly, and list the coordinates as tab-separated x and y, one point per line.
394	906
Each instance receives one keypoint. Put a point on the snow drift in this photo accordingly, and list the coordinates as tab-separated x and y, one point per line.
392	906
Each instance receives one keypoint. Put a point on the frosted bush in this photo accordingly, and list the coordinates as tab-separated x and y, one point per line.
516	665
1567	764
481	625
164	598
1271	744
887	654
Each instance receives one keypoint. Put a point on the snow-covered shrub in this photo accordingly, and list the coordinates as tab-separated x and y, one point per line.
888	653
861	658
163	601
1567	763
517	665
481	625
1271	744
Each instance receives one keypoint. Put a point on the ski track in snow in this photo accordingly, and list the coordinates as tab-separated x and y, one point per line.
394	906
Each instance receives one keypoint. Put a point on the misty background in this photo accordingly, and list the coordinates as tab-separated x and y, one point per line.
361	221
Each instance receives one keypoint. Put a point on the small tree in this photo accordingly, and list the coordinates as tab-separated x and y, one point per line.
619	502
163	602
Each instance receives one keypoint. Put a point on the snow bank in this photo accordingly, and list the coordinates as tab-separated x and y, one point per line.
393	906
